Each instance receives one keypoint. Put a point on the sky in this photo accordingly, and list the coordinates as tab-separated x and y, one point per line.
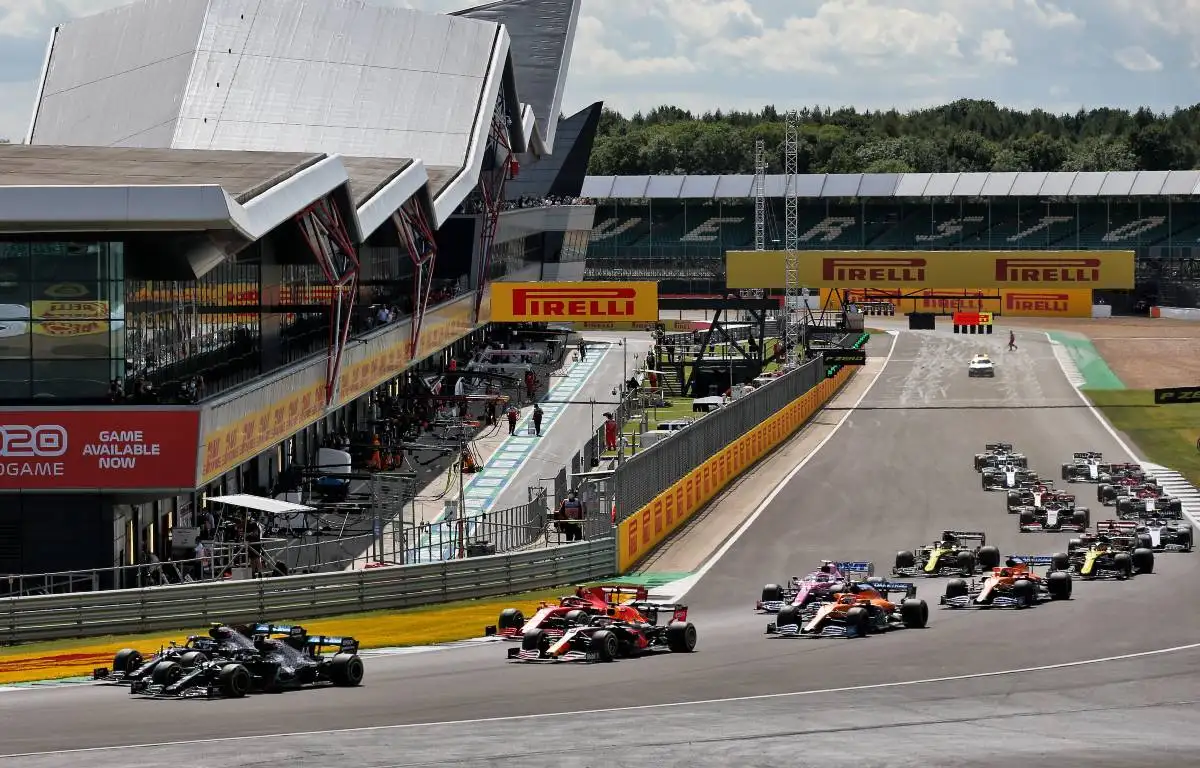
743	54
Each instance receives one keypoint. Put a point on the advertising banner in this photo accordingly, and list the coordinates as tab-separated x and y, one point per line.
668	326
640	533
1070	302
574	302
101	449
934	269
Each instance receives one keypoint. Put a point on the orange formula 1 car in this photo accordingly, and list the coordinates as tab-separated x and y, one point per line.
554	619
1012	585
864	608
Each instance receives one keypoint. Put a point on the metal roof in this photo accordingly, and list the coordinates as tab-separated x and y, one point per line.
903	185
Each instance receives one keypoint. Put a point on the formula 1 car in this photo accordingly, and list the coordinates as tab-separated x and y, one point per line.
1056	513
998	453
819	585
570	611
607	638
1110	473
1122	482
1155	535
981	365
1148	501
1084	467
1007	476
129	664
1104	556
275	659
1013	585
1033	492
950	554
863	609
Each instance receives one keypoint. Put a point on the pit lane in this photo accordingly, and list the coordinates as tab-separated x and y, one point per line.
896	474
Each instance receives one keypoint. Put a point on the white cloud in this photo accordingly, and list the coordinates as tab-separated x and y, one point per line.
1049	15
591	46
996	47
1137	59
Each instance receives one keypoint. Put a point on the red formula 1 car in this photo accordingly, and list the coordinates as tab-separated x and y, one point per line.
624	631
554	619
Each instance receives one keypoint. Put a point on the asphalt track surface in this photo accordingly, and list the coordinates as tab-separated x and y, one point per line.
894	476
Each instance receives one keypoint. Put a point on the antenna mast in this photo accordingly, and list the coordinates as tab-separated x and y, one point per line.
793	301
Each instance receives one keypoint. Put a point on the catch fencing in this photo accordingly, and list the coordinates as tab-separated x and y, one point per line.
89	614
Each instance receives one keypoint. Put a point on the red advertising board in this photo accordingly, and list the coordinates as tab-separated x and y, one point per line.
103	449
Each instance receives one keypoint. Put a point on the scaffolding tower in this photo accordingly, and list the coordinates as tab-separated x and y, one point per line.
760	208
793	301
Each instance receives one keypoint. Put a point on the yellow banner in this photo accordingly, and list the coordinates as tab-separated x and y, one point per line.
639	534
574	302
1021	270
1070	302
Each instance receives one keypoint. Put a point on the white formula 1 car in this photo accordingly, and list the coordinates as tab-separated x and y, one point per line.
981	365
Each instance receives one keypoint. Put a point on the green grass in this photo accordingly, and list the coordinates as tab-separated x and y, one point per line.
1165	434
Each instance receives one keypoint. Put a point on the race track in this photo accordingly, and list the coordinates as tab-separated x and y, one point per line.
896	474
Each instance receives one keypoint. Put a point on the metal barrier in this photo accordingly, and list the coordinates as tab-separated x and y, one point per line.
300	597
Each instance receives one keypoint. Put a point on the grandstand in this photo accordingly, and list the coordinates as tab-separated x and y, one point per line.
678	228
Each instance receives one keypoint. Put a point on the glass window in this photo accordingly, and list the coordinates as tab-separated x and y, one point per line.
71	379
66	339
14	380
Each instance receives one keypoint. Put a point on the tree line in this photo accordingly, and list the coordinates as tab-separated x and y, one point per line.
967	135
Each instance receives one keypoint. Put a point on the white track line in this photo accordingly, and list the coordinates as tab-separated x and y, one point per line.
1177	480
683	586
577	714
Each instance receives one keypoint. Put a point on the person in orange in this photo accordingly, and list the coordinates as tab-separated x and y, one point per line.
610	432
512	421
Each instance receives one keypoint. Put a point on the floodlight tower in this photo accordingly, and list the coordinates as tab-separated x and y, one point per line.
760	207
791	280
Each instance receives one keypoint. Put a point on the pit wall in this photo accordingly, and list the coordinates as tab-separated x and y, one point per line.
640	533
1175	313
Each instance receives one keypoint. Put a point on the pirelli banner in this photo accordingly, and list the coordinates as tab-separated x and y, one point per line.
1005	302
640	533
1014	270
574	302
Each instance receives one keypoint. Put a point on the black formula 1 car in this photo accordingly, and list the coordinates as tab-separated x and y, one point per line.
1007	477
1103	556
1112	473
1124	483
129	665
1033	492
1155	535
1084	467
606	638
1013	585
1057	514
995	454
273	659
1148	501
862	609
952	554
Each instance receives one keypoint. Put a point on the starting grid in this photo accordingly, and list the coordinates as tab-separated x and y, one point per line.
482	491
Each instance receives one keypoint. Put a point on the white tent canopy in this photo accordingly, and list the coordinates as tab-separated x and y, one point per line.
261	504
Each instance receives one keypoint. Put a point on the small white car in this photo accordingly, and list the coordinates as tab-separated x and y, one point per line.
981	365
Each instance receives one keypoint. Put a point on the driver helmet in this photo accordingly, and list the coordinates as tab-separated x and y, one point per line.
949	538
826	568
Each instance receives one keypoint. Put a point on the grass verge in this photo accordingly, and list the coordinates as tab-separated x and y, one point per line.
1165	434
380	629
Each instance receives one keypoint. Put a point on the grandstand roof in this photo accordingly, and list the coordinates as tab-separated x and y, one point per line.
900	185
293	101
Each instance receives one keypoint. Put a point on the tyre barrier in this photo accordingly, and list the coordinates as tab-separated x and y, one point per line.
972	329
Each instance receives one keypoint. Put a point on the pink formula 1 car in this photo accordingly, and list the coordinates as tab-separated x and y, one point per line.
818	585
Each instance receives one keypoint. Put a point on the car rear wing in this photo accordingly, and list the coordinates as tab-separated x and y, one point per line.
1087	455
289	630
615	594
998	447
343	644
1031	560
1116	528
892	587
651	609
855	567
979	536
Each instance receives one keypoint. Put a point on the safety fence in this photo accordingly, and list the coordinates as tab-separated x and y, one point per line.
661	488
184	606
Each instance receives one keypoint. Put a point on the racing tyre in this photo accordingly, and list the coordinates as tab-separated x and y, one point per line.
511	618
1144	541
1066	472
858	621
956	588
983	481
192	659
579	617
905	559
1058	584
166	672
1184	539
989	558
1074	544
1124	507
681	637
1083	516
788	615
234	681
914	613
1123	565
772	593
1013	501
1025	592
1025	519
1142	560
966	563
1175	506
1103	493
346	670
605	644
126	660
535	640
1060	561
